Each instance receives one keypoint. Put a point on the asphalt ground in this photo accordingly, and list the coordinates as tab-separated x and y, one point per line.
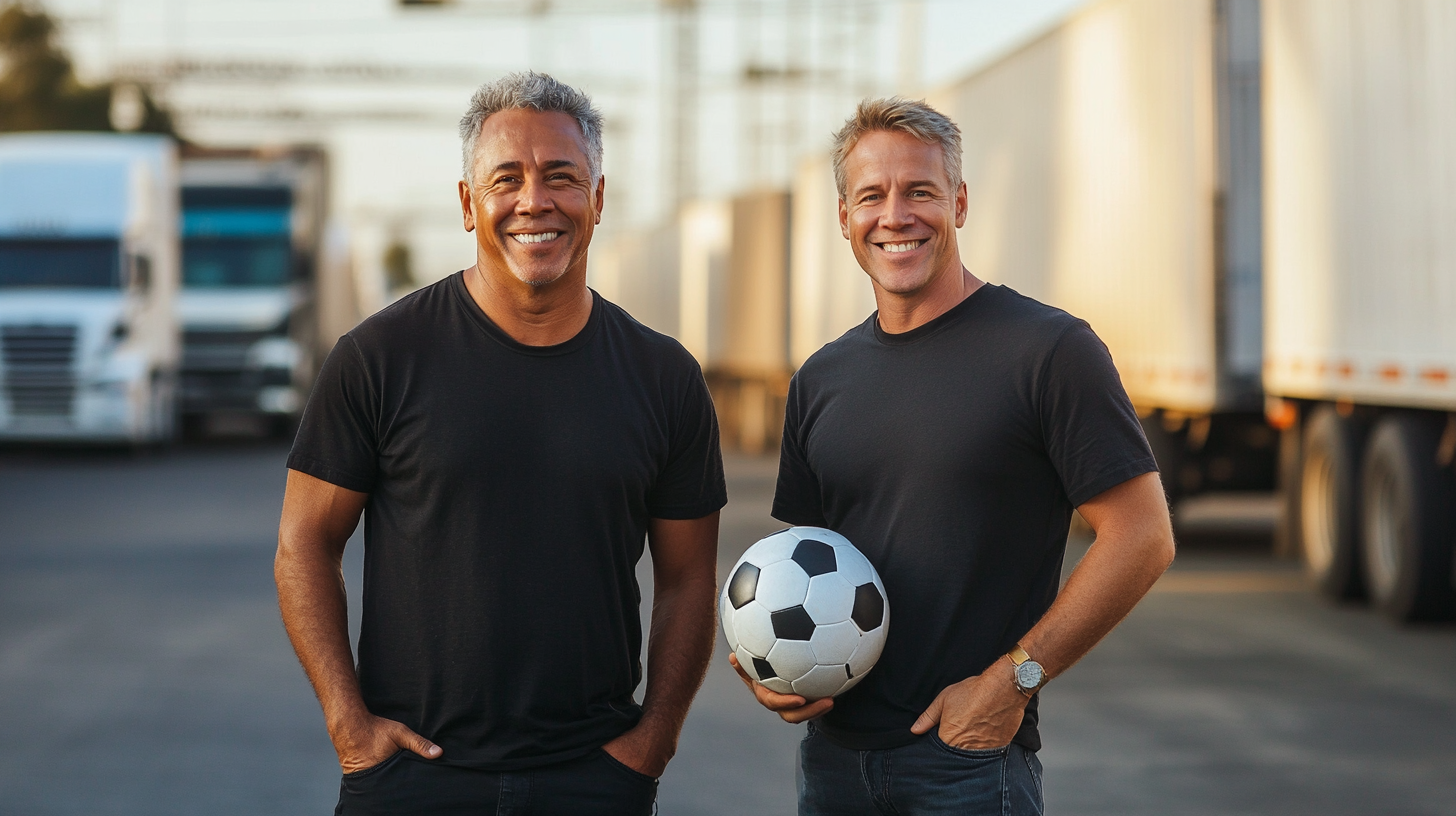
143	669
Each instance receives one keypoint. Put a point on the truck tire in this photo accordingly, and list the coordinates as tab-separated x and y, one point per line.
1409	519
1328	522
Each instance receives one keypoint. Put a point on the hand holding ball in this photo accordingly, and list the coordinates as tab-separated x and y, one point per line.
805	613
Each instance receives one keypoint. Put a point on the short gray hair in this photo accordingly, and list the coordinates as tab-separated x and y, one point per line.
531	91
907	116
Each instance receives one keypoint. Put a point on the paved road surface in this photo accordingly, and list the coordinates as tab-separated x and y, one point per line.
143	670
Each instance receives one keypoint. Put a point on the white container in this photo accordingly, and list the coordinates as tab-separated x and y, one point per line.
1095	174
1361	197
828	292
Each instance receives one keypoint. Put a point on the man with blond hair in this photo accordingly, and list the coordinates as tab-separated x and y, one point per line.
510	438
950	436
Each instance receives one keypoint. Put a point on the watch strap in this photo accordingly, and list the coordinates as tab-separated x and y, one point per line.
1018	656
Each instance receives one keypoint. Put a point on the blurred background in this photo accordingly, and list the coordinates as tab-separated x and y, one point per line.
1251	201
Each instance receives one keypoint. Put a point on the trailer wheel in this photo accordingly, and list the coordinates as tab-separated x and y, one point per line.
1409	519
1328	519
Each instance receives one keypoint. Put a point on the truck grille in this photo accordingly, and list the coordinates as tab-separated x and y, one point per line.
38	369
220	351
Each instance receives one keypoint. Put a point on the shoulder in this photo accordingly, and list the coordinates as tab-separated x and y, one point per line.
1027	317
839	354
404	319
644	344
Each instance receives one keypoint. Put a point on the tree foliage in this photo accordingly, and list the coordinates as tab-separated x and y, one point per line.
39	89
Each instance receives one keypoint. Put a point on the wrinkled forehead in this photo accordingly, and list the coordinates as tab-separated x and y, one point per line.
530	137
884	156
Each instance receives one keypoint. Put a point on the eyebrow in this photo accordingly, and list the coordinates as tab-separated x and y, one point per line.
909	185
553	164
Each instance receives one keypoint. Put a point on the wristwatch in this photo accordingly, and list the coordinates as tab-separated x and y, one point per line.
1027	675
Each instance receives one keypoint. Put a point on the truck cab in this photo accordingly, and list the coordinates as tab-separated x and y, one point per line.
89	341
250	227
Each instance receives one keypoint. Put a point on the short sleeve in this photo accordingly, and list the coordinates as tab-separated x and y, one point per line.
337	440
797	499
691	484
1092	433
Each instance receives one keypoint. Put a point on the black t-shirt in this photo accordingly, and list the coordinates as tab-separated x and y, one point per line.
510	488
952	455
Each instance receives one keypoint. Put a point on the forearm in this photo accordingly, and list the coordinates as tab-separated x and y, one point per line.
1118	570
314	604
679	649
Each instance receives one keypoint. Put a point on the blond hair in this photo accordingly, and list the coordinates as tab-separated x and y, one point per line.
907	116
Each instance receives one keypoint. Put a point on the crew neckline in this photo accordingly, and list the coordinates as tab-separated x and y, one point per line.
499	335
931	327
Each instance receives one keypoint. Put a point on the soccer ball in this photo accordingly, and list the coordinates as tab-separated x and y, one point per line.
805	612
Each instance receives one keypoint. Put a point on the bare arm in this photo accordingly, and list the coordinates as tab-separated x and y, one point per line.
1134	546
318	518
685	584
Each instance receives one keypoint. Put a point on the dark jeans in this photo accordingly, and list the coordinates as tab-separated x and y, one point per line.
924	778
595	785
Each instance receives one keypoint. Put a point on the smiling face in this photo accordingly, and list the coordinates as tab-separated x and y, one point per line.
900	213
531	203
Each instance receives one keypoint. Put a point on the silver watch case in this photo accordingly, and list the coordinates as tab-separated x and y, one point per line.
1030	676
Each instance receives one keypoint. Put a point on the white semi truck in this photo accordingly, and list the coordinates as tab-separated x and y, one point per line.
1360	340
252	228
1113	165
89	341
1252	203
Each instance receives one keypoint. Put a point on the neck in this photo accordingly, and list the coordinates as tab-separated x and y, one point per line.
900	313
532	315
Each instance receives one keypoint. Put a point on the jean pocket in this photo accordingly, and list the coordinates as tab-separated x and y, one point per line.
622	767
373	769
968	753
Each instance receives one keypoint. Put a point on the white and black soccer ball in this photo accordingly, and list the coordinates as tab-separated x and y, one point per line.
805	612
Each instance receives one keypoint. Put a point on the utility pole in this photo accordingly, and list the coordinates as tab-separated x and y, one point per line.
682	152
911	58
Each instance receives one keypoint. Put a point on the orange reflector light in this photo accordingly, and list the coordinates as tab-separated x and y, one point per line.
1281	414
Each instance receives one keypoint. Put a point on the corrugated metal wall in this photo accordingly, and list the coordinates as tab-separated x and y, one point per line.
1091	159
1360	139
829	293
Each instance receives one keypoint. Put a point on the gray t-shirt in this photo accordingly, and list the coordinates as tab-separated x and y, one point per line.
953	455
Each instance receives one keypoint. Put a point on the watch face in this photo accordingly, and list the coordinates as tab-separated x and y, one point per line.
1029	674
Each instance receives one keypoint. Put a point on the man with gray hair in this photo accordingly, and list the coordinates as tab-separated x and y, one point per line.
511	438
949	437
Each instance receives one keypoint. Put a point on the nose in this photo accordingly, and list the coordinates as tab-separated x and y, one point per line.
897	214
534	197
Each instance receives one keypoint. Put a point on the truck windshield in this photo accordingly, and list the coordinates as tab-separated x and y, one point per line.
71	263
256	261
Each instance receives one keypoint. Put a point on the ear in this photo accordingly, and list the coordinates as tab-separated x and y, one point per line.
467	207
962	206
601	197
843	219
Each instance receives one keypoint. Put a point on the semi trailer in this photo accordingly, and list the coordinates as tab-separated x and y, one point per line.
89	341
1250	203
252	232
1360	341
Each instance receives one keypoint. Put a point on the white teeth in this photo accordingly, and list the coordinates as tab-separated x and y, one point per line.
535	237
902	247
